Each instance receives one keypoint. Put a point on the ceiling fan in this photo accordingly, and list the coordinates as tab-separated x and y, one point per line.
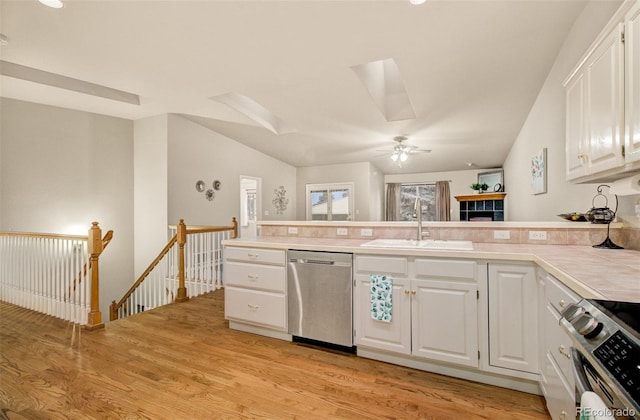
401	151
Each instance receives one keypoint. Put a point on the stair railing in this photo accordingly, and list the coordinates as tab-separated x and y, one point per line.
174	276
54	274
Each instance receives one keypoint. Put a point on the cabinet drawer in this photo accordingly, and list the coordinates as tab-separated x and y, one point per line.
256	307
558	343
559	395
382	265
558	294
255	276
446	269
254	255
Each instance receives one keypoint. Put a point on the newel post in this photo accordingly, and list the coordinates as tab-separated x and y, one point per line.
234	225
95	245
181	295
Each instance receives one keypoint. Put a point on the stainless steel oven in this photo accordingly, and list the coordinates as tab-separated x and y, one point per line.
606	355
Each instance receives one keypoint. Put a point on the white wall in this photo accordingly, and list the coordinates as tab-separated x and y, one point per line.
459	185
376	193
62	169
545	127
360	174
198	153
150	187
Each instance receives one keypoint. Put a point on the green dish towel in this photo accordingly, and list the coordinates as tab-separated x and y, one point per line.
381	297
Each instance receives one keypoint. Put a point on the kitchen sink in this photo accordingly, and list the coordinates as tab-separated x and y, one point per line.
424	244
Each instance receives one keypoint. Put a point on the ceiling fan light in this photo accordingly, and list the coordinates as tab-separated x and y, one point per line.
394	156
404	156
56	4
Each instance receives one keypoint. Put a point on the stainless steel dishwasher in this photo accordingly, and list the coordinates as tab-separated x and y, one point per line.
320	296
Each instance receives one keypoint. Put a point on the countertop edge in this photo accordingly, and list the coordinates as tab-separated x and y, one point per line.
493	252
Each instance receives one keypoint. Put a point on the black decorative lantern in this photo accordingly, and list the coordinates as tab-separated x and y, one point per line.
603	215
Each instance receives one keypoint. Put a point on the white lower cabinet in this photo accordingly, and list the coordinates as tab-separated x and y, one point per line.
445	321
556	374
394	336
513	317
558	394
255	287
434	308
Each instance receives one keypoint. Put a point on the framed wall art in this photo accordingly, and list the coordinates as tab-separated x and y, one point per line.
539	172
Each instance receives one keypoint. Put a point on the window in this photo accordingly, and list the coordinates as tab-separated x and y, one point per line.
251	205
329	201
408	195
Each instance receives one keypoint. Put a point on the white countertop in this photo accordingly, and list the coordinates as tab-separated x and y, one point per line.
590	272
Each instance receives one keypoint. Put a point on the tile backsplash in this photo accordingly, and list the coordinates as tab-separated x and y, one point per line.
626	236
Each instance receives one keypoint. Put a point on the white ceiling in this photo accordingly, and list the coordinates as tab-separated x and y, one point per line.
471	69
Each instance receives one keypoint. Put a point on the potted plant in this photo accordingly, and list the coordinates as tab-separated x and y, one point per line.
477	187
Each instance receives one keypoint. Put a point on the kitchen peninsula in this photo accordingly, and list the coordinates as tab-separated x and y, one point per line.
489	314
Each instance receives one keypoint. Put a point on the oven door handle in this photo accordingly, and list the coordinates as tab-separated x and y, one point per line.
582	383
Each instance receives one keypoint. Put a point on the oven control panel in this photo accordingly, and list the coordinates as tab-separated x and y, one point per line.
621	357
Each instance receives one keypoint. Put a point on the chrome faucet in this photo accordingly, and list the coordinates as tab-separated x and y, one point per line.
417	213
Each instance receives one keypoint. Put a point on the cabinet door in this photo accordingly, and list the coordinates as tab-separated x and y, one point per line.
632	62
513	317
559	396
392	336
605	102
445	321
575	128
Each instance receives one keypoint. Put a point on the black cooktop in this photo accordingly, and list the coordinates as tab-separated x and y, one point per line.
626	313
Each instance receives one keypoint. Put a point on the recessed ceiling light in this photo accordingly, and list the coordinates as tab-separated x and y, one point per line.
417	2
56	4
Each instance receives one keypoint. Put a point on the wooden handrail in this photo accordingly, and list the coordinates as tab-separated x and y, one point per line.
179	238
204	229
113	312
44	235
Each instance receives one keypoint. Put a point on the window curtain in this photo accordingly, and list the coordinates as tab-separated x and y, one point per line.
393	202
443	201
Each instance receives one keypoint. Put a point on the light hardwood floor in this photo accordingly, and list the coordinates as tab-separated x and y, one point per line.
182	362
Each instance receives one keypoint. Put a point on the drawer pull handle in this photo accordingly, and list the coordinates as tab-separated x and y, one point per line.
253	277
582	155
253	255
563	352
253	306
406	292
562	303
413	292
563	415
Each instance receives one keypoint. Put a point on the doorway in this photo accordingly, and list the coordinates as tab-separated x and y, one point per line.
250	205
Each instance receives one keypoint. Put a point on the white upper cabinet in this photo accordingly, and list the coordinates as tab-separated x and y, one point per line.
632	51
594	110
604	113
602	103
575	127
